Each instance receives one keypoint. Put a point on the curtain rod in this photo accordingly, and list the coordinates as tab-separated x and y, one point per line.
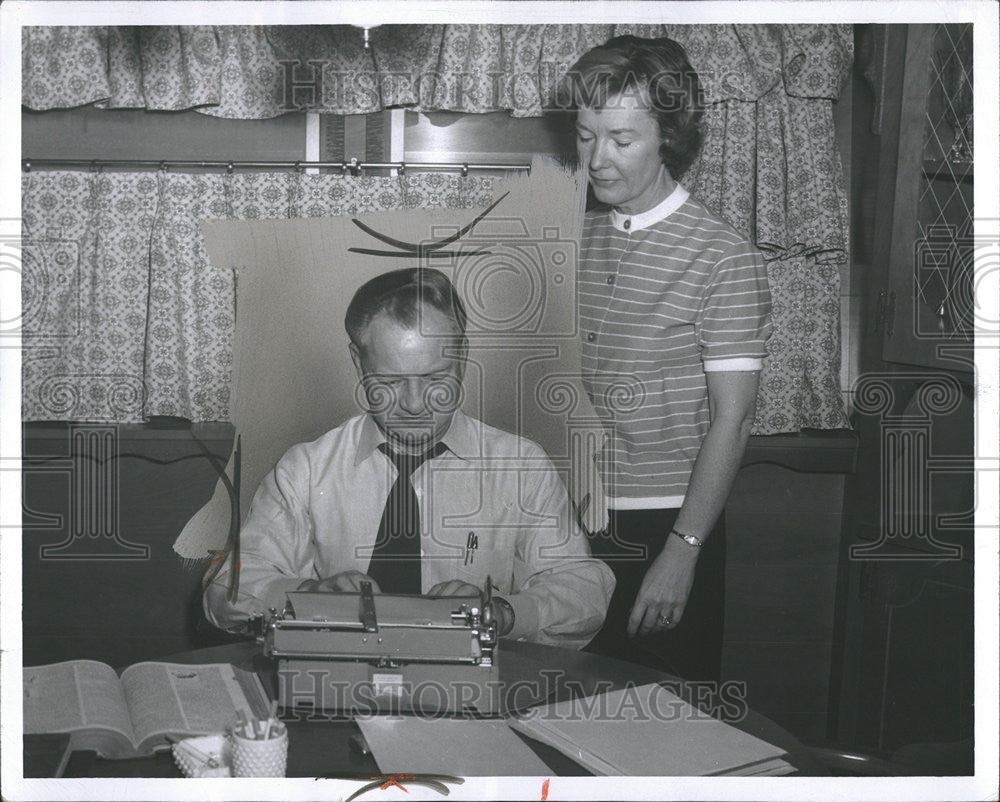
353	166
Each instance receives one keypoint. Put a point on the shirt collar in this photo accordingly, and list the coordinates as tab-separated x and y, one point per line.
662	210
461	439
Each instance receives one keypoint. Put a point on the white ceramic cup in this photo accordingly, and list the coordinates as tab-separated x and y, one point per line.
260	758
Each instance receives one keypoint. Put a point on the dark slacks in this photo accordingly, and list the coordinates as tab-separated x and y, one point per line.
692	649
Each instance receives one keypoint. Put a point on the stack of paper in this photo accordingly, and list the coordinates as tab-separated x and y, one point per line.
649	731
463	747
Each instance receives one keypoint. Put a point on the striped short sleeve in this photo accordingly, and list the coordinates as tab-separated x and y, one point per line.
735	319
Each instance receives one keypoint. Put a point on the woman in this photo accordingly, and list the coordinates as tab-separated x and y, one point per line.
674	313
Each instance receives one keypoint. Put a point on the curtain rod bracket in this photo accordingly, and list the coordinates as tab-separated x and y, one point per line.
26	166
229	168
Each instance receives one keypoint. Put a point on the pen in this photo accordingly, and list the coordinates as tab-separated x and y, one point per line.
471	544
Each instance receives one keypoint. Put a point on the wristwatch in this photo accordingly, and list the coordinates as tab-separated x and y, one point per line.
691	540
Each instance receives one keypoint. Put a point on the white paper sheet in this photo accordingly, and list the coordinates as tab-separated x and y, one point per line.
463	747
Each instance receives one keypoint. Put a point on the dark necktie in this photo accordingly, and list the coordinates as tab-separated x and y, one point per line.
395	562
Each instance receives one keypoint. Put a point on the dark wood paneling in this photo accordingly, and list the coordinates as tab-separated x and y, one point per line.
781	677
119	607
778	491
795	539
782	604
810	728
813	451
783	545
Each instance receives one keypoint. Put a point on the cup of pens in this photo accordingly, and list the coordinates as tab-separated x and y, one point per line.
260	747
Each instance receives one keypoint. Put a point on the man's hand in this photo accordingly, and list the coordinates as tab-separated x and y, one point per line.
453	587
344	581
664	592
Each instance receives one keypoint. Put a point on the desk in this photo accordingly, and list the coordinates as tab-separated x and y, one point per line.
320	748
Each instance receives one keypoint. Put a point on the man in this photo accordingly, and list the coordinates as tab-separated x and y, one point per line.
415	496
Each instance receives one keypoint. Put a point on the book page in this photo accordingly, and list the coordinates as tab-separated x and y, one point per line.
171	698
75	697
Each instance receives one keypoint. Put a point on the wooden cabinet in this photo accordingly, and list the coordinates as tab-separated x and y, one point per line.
903	656
103	504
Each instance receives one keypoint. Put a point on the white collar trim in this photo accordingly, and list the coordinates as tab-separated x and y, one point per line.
662	210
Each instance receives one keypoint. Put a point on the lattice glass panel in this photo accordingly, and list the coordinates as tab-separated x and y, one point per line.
944	253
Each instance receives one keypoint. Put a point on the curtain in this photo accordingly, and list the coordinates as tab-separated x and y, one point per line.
257	72
124	318
769	164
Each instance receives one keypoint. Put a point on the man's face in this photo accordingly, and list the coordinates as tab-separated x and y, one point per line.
412	377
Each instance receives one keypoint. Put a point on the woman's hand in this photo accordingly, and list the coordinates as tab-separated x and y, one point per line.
664	592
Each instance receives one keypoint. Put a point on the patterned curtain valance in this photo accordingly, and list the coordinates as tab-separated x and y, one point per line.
258	72
769	165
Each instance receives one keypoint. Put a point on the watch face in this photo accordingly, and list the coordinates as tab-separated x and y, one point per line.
690	539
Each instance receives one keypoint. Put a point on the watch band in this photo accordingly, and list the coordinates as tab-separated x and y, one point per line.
691	540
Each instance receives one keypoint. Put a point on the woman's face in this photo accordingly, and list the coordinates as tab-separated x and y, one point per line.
620	146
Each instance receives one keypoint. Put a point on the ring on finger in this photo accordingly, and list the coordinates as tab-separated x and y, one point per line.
663	620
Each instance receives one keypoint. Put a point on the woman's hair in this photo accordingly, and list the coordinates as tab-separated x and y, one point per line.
399	295
656	70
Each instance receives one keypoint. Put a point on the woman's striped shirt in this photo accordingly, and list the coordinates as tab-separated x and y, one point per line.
665	296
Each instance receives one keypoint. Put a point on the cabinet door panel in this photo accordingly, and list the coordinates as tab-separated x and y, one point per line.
929	307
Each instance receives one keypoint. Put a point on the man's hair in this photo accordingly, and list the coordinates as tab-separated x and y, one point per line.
656	70
399	294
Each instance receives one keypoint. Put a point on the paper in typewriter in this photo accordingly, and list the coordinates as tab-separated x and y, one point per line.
649	731
342	609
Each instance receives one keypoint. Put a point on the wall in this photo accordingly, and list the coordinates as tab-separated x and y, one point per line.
90	133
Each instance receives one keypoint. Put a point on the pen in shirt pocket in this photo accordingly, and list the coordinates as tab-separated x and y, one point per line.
471	544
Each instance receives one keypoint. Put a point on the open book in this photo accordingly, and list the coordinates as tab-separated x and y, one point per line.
133	715
648	730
